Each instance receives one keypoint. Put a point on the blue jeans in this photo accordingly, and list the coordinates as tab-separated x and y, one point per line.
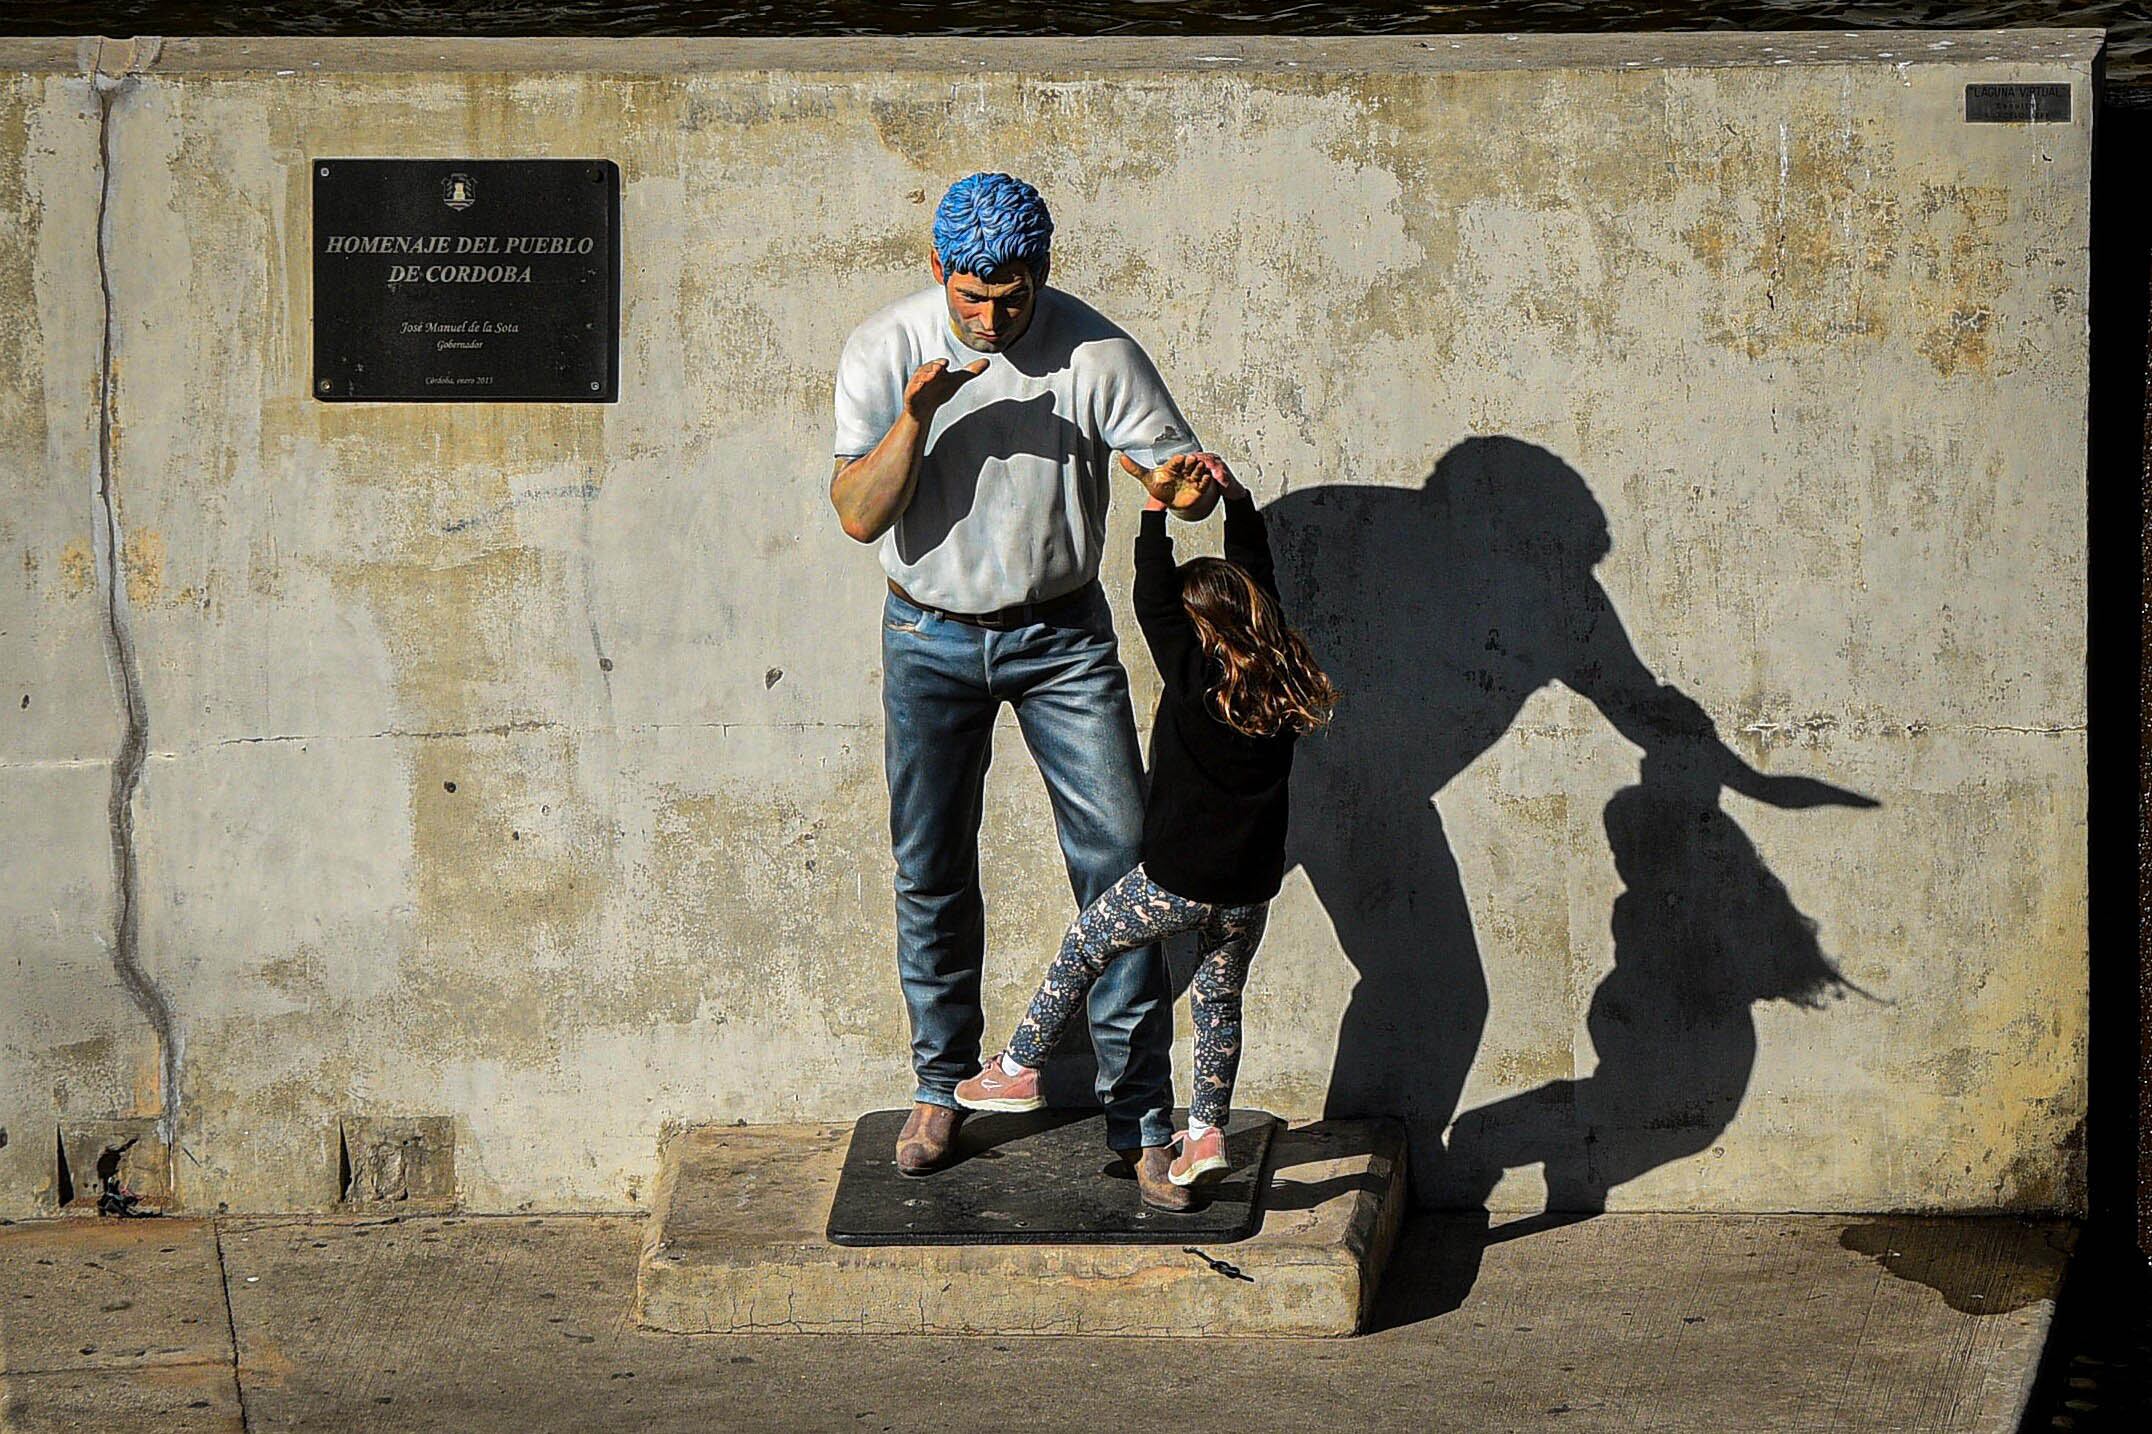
943	681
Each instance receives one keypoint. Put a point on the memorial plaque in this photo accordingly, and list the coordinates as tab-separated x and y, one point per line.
2017	104
466	280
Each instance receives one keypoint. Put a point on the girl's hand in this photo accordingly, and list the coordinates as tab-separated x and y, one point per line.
1220	475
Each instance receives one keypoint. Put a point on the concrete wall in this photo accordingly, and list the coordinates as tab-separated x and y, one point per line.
521	764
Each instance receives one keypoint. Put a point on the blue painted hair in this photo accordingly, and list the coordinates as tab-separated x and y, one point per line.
987	222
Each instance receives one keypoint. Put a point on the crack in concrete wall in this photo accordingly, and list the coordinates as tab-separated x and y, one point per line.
106	546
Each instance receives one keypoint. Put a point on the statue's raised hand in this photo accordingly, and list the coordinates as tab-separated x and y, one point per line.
933	383
1185	483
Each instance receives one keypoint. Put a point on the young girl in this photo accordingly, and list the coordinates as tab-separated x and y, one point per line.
1240	687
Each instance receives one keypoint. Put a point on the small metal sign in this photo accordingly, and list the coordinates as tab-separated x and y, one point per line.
2017	104
466	280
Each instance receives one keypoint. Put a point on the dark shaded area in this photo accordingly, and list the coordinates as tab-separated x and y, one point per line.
1037	1179
66	1176
1702	932
1471	593
1351	1141
1941	1257
113	1196
2096	1373
1433	1269
1006	428
2119	636
994	433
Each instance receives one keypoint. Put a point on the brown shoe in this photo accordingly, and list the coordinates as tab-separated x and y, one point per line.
929	1139
1153	1182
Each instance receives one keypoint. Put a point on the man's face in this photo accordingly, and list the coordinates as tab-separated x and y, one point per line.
989	316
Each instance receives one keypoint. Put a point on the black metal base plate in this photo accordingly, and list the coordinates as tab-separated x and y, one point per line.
1040	1179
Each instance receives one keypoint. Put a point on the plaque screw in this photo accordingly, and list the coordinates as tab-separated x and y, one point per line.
595	385
323	385
325	171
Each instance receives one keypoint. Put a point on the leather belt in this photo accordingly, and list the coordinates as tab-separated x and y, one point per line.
1022	614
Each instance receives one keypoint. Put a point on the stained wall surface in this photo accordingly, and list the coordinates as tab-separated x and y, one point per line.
521	764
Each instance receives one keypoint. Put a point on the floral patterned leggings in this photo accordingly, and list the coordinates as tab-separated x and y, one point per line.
1135	911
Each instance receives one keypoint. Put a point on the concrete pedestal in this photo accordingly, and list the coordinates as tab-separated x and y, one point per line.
736	1244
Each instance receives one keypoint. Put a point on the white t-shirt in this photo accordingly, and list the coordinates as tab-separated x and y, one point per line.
1012	494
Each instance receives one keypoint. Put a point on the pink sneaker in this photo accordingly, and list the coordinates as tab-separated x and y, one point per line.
1198	1158
991	1089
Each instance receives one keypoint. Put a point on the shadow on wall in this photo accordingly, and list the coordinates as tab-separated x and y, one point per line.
1465	597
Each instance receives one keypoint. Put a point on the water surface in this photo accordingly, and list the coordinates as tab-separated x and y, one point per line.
2128	22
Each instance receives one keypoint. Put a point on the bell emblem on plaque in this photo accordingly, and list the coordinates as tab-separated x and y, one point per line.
458	192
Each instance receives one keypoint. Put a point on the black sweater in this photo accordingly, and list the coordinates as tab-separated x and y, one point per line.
1214	825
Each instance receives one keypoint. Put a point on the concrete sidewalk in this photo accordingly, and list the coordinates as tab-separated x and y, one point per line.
506	1323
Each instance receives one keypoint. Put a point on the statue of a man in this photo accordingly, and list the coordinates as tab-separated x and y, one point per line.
976	421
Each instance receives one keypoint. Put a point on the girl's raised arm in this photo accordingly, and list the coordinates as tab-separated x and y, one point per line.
1165	622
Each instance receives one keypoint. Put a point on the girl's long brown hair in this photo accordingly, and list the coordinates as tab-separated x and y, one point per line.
1270	681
